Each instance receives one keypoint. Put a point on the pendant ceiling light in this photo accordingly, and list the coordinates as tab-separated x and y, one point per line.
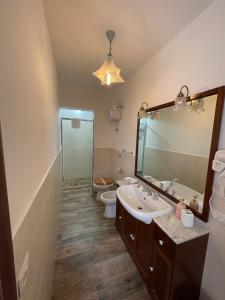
109	73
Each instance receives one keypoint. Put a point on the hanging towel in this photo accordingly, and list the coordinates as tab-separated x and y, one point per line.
75	123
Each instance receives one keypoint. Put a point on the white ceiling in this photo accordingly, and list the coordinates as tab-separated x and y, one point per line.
77	31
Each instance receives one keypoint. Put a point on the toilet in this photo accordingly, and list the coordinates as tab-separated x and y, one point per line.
102	185
109	199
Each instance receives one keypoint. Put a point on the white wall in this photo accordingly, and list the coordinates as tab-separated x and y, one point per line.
29	118
99	102
28	107
194	57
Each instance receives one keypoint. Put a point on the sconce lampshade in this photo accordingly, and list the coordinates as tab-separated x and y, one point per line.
181	100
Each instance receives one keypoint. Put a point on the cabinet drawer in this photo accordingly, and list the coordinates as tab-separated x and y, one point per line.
164	243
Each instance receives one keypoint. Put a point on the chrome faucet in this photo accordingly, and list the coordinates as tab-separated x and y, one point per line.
145	189
139	184
170	188
148	191
155	196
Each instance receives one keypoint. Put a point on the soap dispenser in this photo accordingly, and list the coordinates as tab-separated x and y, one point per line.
181	205
194	203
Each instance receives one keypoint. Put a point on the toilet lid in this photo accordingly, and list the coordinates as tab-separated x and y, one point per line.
103	181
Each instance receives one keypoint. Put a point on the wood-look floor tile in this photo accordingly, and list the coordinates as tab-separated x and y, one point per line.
120	287
92	262
143	295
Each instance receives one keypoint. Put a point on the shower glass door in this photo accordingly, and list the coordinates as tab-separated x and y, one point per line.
77	145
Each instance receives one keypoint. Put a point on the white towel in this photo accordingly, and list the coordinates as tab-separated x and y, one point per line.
75	123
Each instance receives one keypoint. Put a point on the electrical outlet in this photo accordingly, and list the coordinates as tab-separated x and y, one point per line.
23	275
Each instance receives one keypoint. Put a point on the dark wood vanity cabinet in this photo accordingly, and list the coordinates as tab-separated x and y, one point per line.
170	271
130	231
144	249
120	216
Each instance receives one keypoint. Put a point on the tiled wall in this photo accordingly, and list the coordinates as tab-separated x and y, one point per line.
37	235
190	170
108	160
123	161
102	162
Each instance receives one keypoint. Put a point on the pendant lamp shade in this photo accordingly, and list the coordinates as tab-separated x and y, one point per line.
109	73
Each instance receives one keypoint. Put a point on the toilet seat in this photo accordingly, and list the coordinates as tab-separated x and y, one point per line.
101	185
109	197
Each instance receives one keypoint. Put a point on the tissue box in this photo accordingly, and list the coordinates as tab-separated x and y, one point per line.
187	217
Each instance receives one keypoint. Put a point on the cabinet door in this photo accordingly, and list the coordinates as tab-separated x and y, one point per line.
161	274
144	248
130	228
120	211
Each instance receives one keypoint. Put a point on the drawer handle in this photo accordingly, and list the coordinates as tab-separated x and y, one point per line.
132	236
120	218
161	242
151	269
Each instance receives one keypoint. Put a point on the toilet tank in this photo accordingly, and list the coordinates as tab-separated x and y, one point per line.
116	113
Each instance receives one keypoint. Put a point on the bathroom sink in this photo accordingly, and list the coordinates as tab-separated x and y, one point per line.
141	205
181	191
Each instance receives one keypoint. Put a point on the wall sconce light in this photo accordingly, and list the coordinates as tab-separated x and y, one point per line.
142	111
197	106
154	115
181	100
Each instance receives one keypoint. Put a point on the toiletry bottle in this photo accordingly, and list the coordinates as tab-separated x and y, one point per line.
179	207
194	203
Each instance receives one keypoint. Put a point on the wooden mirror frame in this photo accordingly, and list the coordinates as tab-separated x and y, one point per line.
220	92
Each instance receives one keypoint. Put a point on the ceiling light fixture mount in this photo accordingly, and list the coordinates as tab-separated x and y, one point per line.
109	73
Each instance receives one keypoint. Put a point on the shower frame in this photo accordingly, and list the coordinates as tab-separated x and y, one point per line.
92	169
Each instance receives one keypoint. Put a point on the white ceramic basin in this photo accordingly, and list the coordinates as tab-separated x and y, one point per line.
140	205
182	191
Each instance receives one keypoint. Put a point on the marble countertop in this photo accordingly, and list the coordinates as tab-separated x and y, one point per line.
173	227
121	182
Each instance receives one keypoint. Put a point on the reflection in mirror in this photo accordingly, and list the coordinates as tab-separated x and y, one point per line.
174	149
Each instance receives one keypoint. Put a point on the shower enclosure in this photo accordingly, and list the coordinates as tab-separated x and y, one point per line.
77	151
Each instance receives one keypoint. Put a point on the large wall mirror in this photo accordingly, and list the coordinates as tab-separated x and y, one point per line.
175	149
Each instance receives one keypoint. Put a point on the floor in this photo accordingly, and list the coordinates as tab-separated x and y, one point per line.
92	262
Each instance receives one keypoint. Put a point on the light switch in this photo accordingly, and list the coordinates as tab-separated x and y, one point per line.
23	275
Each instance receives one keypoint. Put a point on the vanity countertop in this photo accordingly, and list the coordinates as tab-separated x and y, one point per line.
121	182
173	227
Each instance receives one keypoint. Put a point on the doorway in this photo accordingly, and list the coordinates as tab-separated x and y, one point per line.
7	270
77	147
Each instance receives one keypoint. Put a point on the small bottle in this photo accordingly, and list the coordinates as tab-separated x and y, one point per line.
181	205
194	203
